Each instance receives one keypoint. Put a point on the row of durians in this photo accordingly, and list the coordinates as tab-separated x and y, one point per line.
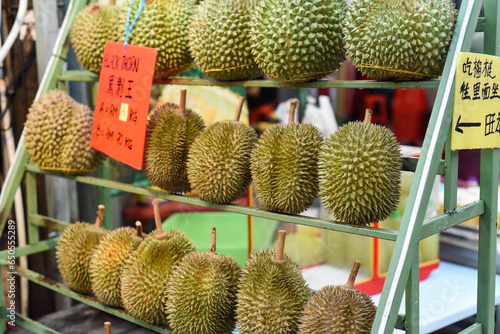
357	170
161	279
289	40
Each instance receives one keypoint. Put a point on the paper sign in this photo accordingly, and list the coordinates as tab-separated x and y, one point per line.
122	103
476	114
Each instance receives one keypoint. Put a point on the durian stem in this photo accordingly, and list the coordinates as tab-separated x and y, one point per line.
182	103
213	237
156	211
238	109
368	116
281	245
107	327
100	215
291	113
138	229
352	276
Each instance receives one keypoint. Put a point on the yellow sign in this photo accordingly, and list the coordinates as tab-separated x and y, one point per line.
476	114
123	112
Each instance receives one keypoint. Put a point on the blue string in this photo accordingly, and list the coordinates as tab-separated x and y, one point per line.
128	28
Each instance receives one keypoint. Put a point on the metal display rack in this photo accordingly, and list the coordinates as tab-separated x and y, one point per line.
403	272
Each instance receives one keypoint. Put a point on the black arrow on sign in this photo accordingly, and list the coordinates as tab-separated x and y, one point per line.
465	125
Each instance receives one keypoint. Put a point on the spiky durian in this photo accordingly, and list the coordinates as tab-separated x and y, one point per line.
201	294
74	250
107	261
57	134
285	166
171	131
272	294
399	40
339	309
146	272
163	25
93	26
219	160
298	40
360	173
219	39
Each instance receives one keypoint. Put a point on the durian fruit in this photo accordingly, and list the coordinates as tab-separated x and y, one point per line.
163	25
57	134
93	26
339	309
219	160
219	39
170	133
107	261
360	173
285	166
146	272
272	293
397	39
298	40
201	294
74	250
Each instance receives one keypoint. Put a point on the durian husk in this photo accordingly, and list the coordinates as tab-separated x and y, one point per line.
219	39
399	40
107	261
57	135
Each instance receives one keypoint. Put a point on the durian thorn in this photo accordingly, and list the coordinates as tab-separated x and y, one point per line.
352	275
156	211
368	116
100	215
138	229
182	103
238	109
281	245
291	113
107	327
213	236
112	2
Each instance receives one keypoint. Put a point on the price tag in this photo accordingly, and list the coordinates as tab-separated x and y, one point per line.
122	103
476	114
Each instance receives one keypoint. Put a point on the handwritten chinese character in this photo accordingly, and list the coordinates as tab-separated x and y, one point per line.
487	69
129	89
464	90
466	67
110	84
494	92
489	124
477	68
119	89
476	89
486	91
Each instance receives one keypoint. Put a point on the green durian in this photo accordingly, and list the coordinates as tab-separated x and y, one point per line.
360	173
169	136
146	272
57	134
107	261
339	309
219	39
399	40
298	40
163	25
272	293
285	166
219	160
93	26
74	250
201	294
